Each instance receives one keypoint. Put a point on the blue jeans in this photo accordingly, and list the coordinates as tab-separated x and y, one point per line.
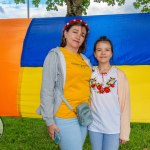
71	133
101	141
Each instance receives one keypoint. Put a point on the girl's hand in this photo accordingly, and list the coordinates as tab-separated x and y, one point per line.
51	129
122	141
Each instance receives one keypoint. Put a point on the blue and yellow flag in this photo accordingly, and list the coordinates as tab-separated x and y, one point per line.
24	44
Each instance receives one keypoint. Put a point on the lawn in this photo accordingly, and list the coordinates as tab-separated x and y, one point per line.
31	134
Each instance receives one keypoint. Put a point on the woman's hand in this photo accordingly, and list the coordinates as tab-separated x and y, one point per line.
122	141
51	129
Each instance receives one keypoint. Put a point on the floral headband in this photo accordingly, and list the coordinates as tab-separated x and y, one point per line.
76	20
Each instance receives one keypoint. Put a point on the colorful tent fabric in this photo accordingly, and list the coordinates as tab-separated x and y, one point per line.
25	43
12	33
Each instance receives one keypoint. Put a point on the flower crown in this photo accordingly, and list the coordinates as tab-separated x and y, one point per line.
76	20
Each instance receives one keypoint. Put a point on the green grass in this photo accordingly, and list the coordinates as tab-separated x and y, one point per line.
31	134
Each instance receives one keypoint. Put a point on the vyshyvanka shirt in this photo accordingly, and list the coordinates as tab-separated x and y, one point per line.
77	89
104	102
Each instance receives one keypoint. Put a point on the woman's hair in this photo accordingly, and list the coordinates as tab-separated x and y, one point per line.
68	26
104	39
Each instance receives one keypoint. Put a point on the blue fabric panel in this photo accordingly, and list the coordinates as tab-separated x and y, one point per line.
130	34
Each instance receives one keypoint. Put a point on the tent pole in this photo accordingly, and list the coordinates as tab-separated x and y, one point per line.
28	11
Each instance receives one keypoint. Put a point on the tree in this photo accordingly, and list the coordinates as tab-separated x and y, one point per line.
79	7
145	4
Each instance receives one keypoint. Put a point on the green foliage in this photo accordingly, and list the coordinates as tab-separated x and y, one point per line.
144	5
85	5
31	134
19	1
36	2
111	2
53	4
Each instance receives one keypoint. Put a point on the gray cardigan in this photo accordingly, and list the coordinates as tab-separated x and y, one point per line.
53	80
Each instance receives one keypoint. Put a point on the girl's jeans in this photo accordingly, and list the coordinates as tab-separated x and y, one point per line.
72	134
102	141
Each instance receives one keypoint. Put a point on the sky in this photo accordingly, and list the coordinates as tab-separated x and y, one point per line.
8	9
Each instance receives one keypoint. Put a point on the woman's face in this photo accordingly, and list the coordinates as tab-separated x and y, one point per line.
103	52
75	36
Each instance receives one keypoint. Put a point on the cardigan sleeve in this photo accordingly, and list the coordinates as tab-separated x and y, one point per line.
124	100
46	108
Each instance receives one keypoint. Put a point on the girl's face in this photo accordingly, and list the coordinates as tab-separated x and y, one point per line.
103	52
75	36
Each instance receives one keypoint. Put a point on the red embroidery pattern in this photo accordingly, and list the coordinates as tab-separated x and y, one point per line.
100	88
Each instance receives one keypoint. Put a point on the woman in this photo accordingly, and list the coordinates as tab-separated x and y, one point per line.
66	72
109	101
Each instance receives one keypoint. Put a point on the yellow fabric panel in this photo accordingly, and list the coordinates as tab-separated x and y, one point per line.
139	80
29	93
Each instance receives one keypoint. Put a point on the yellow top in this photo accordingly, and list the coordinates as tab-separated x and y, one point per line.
76	88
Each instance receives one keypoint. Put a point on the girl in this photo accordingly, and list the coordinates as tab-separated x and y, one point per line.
109	101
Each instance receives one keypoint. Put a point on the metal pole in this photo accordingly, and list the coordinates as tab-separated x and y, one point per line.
28	11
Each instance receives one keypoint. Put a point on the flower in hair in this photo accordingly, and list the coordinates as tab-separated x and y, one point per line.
75	20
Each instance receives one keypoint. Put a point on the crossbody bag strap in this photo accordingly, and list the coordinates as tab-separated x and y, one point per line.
66	102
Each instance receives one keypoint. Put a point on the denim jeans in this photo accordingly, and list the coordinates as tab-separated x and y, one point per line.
71	133
101	141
